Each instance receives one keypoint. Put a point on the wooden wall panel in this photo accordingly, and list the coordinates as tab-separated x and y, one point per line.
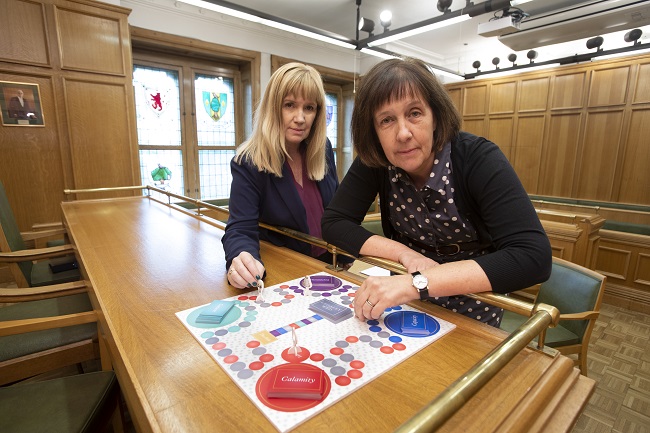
609	87
559	158
22	25
500	132
475	126
503	97
102	50
635	174
568	91
528	144
534	94
456	95
100	135
642	85
475	100
30	161
600	149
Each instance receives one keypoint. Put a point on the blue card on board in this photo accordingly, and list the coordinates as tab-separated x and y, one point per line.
215	312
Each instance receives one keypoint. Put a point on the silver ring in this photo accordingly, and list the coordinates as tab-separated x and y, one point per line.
370	303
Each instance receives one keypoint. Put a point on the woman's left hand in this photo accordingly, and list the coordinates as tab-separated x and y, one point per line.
378	293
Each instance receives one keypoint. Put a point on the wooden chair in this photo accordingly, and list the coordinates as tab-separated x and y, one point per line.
41	350
577	292
79	403
33	267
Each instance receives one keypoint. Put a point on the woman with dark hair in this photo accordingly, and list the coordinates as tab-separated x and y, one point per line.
283	175
454	212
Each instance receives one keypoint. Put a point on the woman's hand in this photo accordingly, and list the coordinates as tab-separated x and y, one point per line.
414	261
378	293
244	271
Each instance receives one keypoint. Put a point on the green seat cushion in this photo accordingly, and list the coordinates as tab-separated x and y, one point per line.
14	346
66	405
555	337
42	275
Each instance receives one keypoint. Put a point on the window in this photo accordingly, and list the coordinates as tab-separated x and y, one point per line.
188	123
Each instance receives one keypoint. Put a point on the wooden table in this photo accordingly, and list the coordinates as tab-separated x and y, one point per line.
146	261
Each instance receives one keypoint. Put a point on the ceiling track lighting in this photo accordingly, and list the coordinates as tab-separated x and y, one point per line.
366	25
596	42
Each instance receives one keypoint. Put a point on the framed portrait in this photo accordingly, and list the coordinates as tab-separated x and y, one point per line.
20	104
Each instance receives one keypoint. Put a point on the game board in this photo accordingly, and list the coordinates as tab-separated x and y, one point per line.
255	340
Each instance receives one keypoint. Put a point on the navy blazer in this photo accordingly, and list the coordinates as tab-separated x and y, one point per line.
260	196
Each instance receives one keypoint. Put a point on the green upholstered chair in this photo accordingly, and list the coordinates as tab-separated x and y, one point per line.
27	354
577	293
80	403
32	267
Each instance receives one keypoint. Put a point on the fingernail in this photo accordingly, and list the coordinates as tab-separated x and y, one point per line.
249	285
257	277
254	283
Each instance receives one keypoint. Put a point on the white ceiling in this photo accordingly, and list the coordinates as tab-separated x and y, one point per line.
455	47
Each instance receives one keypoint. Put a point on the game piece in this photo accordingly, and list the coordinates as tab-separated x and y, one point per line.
295	349
260	291
307	285
331	311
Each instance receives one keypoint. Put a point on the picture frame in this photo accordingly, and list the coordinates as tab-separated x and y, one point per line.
20	104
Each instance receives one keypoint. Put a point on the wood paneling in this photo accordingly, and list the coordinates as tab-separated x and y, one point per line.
559	158
635	174
534	94
609	87
642	88
528	153
594	140
503	97
455	96
22	24
37	164
500	132
568	91
102	50
475	126
475	100
600	148
100	137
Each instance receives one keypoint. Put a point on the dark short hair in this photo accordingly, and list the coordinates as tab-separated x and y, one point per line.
392	80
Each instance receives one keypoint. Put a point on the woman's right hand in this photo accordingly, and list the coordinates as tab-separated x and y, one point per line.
244	271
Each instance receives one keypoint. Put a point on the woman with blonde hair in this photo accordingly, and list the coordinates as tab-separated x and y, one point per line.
283	175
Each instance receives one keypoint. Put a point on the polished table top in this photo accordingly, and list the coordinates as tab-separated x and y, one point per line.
147	261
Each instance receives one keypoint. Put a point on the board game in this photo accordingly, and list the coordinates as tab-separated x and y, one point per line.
294	349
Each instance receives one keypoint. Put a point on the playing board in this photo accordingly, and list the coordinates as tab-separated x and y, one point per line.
257	338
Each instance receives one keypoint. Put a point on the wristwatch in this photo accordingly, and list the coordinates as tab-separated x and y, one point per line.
421	284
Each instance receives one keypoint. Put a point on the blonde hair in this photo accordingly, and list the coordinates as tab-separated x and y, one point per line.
266	147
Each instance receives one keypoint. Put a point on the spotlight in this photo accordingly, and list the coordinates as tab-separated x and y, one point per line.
496	61
476	65
532	55
444	5
595	43
633	36
513	58
385	19
366	25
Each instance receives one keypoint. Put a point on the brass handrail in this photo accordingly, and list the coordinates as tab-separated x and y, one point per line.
445	405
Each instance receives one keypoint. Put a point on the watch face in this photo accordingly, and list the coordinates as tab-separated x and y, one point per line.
420	282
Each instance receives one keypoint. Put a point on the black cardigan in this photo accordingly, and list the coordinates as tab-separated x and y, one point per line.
487	192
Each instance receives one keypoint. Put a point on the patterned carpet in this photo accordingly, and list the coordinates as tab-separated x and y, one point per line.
619	360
